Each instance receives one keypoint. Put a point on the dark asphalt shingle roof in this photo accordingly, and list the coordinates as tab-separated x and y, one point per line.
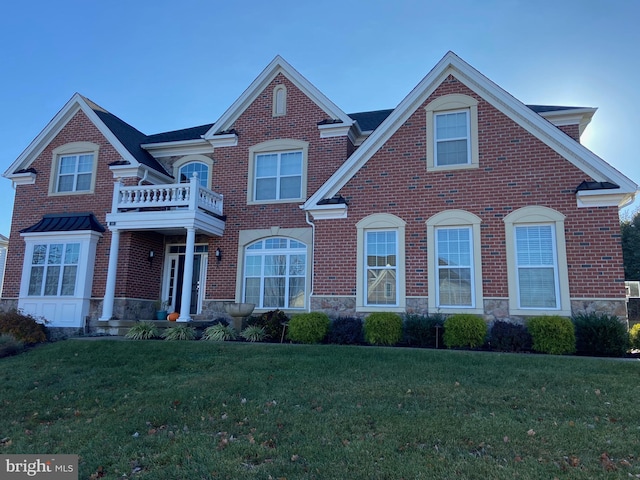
132	139
193	133
66	222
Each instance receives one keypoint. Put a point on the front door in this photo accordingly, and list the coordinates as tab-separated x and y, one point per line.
174	274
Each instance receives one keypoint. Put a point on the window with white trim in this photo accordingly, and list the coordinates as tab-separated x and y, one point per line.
275	273
536	266
54	269
455	280
277	171
454	262
187	170
381	283
381	251
537	269
278	176
452	132
73	168
74	173
452	138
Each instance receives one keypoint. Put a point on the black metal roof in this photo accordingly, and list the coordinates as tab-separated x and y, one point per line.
551	108
65	222
596	186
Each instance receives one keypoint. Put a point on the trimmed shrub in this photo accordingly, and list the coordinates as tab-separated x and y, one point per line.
179	332
346	331
22	327
509	337
600	335
634	336
143	331
9	345
308	327
254	333
383	328
552	334
464	330
220	332
271	322
420	330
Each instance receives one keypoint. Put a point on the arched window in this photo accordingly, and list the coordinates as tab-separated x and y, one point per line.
537	262
275	273
201	169
454	263
380	285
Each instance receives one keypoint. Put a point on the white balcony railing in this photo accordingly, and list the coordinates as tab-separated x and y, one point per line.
190	195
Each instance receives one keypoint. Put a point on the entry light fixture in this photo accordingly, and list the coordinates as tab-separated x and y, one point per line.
218	254
152	254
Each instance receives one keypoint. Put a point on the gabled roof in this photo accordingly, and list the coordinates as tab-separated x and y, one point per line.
520	113
122	136
277	66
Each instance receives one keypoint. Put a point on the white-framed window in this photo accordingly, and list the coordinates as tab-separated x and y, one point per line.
185	167
201	169
74	173
455	277
277	171
454	263
278	176
452	138
57	275
381	251
54	269
537	262
73	169
536	266
381	284
452	132
275	273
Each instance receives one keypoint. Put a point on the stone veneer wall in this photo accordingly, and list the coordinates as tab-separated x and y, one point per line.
494	308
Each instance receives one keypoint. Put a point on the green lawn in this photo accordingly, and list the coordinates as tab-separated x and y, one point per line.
198	410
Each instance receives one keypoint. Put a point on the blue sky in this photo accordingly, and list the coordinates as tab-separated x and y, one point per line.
164	65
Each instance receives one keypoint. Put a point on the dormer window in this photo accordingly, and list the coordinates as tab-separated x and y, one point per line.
279	101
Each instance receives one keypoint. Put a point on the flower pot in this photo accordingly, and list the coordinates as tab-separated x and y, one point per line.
161	315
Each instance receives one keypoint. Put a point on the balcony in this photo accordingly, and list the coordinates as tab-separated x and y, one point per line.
167	208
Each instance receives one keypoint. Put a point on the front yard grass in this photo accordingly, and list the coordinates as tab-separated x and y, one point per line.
200	410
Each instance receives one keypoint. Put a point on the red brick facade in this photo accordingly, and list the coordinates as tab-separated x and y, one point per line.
516	169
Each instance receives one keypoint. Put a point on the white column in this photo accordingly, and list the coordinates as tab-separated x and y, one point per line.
187	279
110	289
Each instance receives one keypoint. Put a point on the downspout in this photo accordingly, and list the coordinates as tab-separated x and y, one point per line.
313	250
144	177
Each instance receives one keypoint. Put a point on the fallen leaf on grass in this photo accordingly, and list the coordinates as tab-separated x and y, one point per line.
607	463
531	432
573	461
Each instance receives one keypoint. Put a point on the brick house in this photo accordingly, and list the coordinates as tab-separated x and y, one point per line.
461	199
